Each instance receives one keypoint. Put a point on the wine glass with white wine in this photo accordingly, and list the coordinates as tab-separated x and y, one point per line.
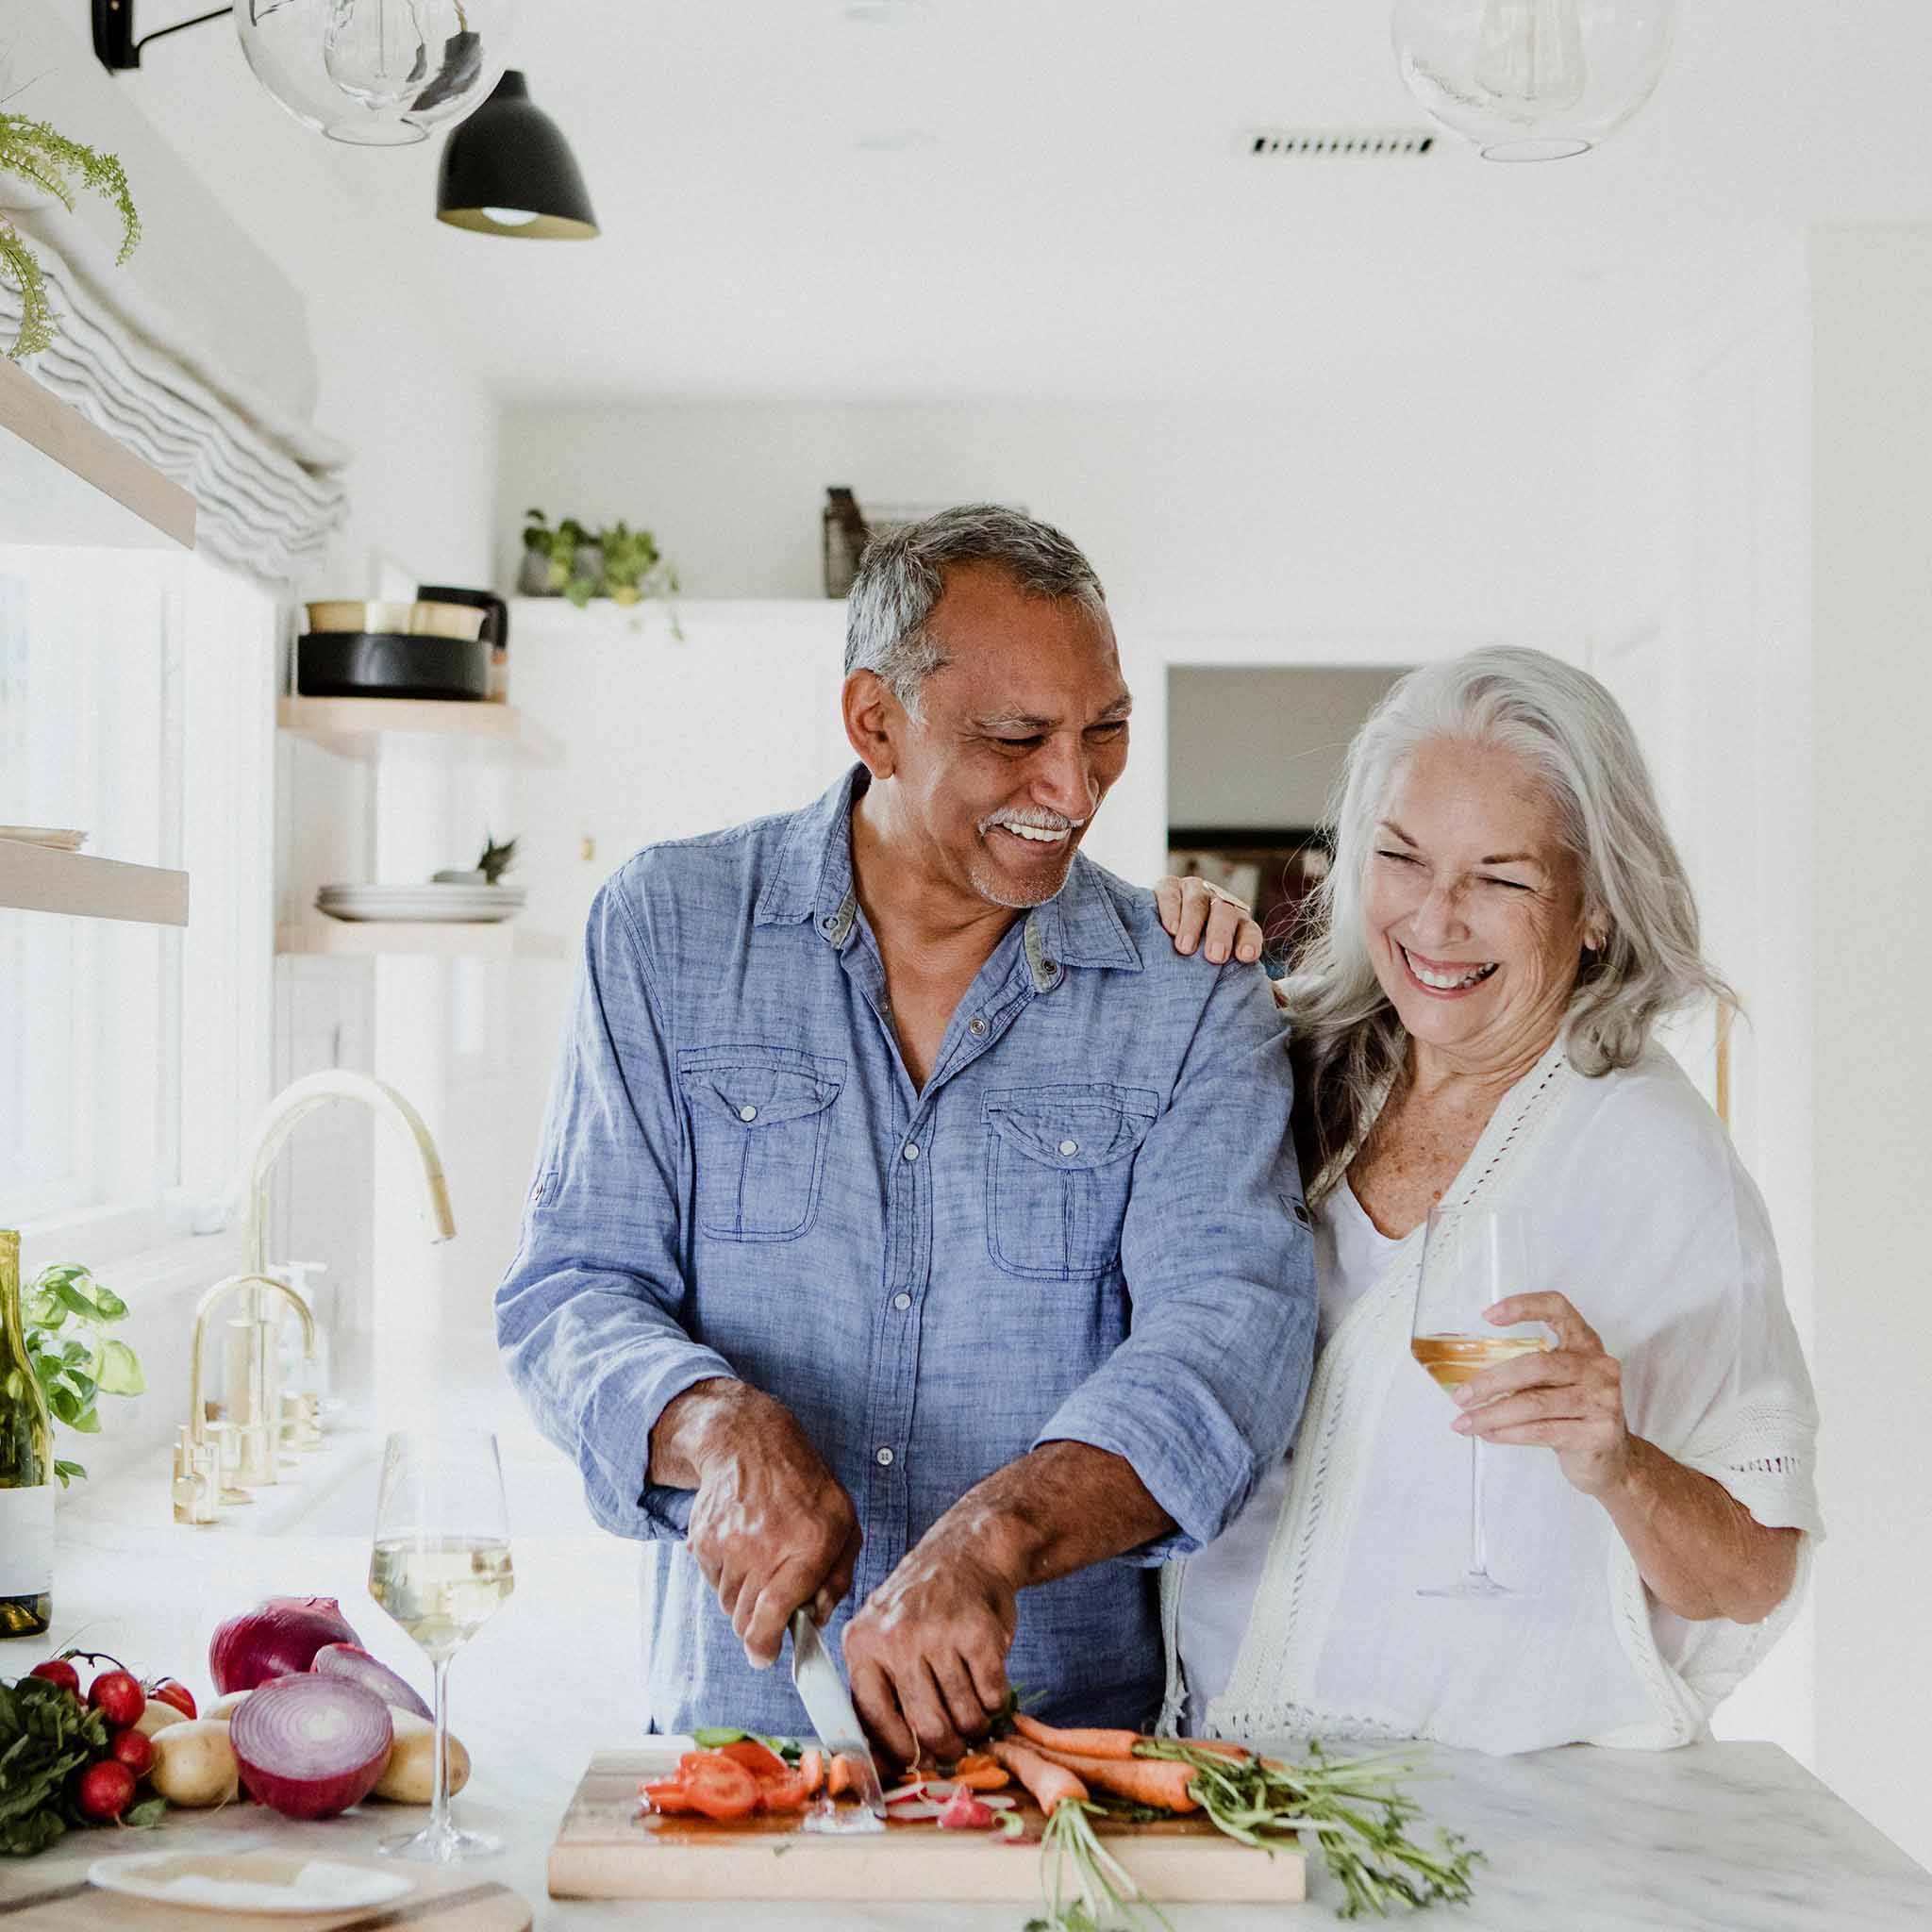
1472	1257
441	1567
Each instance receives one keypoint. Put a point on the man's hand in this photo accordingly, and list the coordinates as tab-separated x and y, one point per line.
927	1654
772	1528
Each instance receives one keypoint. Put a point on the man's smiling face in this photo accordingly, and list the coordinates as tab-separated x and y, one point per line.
1022	733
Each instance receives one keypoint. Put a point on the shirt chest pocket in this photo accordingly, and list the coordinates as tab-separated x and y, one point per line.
1059	1162
758	1119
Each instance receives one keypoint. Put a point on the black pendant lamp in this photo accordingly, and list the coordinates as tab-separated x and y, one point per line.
507	170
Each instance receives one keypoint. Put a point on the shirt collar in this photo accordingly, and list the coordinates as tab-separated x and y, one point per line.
1078	926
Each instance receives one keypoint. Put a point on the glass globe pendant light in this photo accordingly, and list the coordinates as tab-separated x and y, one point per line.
1532	80
376	72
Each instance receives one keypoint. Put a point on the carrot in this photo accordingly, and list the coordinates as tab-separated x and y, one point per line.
1161	1782
986	1776
1050	1784
1078	1744
811	1768
837	1776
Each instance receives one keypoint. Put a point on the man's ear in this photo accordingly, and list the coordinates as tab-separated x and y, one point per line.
876	722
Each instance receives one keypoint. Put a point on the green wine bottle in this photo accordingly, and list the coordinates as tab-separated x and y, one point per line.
26	1469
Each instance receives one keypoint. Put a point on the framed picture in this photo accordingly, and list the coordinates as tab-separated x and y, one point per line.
1272	868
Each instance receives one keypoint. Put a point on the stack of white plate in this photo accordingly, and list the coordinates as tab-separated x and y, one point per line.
54	835
462	904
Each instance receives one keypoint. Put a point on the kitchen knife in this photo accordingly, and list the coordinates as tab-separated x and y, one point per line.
829	1703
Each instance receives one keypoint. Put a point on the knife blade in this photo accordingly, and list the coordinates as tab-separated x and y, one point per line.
829	1703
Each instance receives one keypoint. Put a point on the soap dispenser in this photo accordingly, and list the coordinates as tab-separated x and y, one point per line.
304	1380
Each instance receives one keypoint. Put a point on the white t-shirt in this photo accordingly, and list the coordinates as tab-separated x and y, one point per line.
1351	1254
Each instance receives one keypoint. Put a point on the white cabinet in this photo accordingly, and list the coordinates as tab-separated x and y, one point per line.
661	739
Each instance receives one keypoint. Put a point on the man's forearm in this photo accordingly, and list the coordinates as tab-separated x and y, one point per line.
688	1429
1055	1511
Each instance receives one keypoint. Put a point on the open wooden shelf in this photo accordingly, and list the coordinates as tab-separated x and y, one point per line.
37	879
62	480
368	939
355	727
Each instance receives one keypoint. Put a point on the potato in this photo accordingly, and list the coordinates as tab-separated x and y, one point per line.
226	1708
408	1778
158	1712
194	1763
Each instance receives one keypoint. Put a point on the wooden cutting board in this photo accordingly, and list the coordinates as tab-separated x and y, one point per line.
606	1849
440	1902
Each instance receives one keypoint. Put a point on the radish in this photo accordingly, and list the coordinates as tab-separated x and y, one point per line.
966	1813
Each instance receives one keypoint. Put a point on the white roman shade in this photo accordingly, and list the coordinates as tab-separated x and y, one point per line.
195	353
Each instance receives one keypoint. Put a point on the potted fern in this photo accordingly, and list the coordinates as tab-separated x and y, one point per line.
50	160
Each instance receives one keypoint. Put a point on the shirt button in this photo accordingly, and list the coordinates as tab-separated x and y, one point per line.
901	1301
747	1113
883	1457
910	1151
977	1026
829	924
1070	1146
1049	967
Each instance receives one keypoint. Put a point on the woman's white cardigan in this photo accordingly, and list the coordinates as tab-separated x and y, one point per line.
1636	1208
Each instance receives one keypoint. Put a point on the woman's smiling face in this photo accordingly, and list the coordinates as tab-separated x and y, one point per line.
1473	905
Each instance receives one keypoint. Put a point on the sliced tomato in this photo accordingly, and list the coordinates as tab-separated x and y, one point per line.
718	1786
669	1797
759	1760
787	1793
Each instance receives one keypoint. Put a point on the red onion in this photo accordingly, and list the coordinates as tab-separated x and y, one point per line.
311	1746
355	1664
278	1638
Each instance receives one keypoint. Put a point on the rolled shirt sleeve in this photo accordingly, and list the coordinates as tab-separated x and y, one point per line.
587	1317
1207	1390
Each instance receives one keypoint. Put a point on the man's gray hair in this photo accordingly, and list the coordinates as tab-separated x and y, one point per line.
1349	1044
901	578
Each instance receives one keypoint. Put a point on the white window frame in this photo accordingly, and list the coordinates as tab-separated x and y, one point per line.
171	1029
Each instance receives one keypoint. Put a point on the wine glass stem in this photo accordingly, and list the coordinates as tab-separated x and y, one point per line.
438	1808
1478	1546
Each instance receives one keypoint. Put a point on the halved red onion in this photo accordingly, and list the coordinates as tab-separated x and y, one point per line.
278	1638
311	1746
351	1661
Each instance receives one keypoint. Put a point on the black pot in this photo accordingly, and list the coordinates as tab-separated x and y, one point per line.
496	617
384	664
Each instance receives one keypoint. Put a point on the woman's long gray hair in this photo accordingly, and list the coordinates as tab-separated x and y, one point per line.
1349	1045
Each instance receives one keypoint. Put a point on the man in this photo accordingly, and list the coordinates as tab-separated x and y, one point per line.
913	1231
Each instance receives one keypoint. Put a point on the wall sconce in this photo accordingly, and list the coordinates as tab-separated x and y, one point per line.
371	72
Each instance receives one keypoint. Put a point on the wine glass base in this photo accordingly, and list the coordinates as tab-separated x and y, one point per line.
446	1846
1476	1584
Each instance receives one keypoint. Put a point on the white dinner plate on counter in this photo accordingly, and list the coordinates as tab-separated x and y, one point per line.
278	1882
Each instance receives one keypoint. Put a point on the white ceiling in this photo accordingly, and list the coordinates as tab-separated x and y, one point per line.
1070	217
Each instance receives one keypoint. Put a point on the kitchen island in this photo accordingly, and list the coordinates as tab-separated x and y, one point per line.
1716	1837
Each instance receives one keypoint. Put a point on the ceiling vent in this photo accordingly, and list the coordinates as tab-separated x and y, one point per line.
1386	143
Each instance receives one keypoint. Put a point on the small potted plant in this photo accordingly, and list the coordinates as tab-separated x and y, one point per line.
65	1314
488	870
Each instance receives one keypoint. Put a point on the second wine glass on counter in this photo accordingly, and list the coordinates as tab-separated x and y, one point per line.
1471	1258
441	1567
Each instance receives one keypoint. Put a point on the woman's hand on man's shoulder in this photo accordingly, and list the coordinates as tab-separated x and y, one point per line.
1198	914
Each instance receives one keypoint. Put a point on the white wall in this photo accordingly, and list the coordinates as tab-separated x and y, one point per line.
1872	1117
1383	512
1261	746
394	387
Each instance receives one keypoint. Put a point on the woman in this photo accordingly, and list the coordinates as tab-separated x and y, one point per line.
1505	921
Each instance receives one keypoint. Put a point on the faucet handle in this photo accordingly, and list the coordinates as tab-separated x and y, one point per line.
197	1480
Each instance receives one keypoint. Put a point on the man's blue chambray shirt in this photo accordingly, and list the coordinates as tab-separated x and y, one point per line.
1088	1226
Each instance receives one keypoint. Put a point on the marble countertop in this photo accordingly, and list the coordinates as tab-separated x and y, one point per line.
1729	1836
